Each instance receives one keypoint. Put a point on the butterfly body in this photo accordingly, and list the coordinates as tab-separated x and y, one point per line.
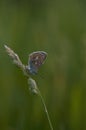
36	59
32	69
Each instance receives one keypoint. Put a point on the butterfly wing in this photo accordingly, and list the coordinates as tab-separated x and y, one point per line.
36	59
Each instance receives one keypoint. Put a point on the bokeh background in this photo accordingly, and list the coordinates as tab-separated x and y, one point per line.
59	28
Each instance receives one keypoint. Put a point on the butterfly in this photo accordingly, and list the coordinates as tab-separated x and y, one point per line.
36	59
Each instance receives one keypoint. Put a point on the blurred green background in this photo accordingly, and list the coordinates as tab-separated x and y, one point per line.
59	28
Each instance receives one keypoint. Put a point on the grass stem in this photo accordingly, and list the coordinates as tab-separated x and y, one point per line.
45	109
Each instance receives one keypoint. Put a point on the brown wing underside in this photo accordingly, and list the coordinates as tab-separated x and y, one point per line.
37	58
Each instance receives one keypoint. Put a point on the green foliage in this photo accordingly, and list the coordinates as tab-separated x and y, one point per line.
59	28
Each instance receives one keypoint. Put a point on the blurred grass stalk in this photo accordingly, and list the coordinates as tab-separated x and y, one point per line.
32	83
